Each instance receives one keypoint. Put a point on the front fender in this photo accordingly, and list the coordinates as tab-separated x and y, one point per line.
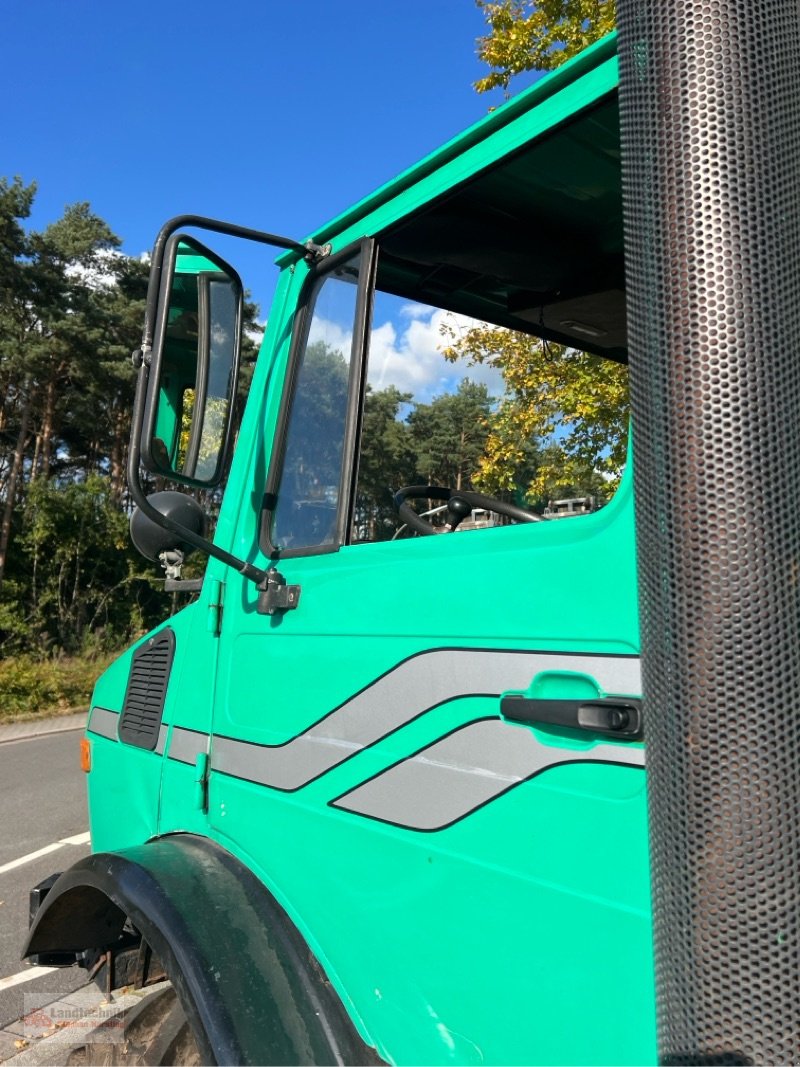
251	988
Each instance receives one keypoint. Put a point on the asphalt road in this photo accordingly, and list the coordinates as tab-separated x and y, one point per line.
43	803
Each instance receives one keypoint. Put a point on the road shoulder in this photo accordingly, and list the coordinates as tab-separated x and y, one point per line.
21	731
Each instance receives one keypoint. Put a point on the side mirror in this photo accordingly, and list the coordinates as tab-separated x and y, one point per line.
188	368
194	367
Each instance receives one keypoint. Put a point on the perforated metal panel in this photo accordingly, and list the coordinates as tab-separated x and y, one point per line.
711	143
147	690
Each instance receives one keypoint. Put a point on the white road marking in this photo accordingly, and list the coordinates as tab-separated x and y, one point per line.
78	839
28	975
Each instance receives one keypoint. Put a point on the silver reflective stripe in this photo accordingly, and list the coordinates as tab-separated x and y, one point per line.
104	723
186	745
454	776
162	740
411	688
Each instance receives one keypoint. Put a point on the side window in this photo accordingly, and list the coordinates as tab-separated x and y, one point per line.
458	404
306	498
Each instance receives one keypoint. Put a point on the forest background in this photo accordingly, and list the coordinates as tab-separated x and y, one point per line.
73	591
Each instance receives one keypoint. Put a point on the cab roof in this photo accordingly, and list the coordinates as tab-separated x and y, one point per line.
532	238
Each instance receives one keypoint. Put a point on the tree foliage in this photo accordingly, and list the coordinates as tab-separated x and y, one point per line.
450	434
71	308
388	461
406	443
76	584
561	426
71	312
537	35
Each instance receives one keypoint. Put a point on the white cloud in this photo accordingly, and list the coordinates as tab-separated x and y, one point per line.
408	354
416	311
331	334
101	276
256	332
406	349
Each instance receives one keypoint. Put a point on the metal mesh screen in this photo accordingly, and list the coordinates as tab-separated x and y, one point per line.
711	141
147	690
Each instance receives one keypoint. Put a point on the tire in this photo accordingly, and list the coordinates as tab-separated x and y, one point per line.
154	1032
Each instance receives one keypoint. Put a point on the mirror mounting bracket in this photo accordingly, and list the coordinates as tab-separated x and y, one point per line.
172	564
316	253
275	596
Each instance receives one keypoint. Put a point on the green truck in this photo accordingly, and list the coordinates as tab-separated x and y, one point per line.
378	793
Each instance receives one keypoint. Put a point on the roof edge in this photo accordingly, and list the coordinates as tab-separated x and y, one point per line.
548	86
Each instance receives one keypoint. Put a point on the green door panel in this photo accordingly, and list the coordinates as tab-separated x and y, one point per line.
503	935
521	935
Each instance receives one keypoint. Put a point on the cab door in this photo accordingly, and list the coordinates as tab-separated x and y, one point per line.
432	845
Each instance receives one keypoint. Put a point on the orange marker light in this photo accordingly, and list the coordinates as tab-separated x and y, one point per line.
86	754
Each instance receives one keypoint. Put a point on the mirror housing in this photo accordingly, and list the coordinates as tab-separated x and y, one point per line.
152	539
194	366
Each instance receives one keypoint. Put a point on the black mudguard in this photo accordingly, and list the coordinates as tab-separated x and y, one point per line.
251	988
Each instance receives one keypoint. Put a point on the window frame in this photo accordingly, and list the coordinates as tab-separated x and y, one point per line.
366	247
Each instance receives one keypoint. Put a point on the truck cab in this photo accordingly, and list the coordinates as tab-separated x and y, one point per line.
379	717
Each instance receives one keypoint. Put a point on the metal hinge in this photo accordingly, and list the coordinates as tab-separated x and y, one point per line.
215	599
275	596
201	767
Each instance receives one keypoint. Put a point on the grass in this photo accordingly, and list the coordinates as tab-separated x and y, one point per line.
32	688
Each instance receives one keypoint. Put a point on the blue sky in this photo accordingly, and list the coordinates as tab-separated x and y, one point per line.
274	115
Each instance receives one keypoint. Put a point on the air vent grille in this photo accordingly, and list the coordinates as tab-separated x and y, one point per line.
147	690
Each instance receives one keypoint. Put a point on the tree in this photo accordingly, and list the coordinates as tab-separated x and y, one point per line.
73	267
450	434
65	318
537	35
387	462
74	580
561	428
15	323
562	423
71	312
313	451
439	443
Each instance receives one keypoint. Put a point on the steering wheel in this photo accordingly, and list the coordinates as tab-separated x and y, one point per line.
460	503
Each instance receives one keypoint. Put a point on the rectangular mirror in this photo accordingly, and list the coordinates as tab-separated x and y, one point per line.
194	365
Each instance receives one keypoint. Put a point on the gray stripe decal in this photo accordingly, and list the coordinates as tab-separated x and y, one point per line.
186	745
411	688
452	777
104	723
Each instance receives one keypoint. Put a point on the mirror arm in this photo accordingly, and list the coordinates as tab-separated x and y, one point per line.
255	574
309	251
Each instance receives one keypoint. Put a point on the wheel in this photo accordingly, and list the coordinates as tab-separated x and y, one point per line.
155	1031
460	503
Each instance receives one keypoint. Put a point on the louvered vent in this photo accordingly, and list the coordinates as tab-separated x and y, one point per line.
147	689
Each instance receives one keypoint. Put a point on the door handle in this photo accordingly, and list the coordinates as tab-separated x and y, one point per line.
618	717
